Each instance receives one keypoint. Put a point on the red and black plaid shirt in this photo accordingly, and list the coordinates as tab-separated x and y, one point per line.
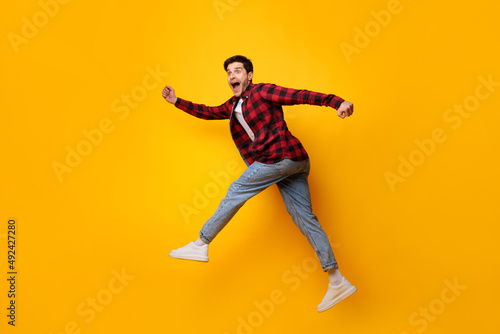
263	112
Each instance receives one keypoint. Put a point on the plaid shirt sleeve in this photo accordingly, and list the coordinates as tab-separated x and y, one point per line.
202	111
287	96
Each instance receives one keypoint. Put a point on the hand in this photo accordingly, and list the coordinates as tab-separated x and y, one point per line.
169	94
345	110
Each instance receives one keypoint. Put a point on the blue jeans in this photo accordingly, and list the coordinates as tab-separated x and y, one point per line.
291	178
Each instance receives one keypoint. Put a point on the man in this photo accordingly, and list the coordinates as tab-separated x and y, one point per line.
273	156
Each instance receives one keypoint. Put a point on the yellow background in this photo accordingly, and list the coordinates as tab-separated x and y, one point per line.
120	209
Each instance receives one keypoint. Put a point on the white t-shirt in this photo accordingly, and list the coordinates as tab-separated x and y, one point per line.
239	116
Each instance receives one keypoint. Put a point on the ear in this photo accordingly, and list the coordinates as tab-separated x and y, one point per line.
250	76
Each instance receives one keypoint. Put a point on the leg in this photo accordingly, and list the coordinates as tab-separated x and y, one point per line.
296	196
255	179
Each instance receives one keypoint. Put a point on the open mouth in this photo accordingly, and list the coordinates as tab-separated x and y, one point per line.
236	86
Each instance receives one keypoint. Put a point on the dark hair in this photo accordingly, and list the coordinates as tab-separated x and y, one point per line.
247	63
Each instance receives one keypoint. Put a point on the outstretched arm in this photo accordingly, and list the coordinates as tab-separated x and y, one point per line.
198	110
289	96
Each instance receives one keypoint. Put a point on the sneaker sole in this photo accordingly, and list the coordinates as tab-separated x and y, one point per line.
340	298
187	257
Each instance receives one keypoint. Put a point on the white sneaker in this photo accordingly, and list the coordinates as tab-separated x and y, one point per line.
191	252
336	294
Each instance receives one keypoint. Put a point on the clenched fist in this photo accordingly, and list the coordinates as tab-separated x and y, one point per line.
345	110
169	94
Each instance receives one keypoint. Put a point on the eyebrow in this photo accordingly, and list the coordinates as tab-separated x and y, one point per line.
236	68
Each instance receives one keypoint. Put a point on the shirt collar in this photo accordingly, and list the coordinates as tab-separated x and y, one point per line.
246	93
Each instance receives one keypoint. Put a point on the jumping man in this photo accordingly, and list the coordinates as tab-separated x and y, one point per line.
273	156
